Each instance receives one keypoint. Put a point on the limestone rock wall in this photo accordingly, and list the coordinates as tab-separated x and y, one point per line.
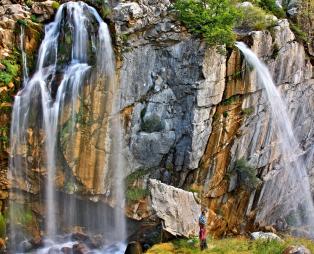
196	112
189	113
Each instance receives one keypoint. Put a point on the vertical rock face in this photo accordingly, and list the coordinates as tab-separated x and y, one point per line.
196	112
189	113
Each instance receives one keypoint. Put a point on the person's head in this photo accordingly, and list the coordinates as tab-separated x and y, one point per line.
204	211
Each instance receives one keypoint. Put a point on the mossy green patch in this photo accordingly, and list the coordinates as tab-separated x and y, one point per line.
55	5
246	174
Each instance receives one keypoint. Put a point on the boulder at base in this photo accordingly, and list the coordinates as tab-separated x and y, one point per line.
177	208
265	236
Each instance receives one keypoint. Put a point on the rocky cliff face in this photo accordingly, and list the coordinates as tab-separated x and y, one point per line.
189	113
195	112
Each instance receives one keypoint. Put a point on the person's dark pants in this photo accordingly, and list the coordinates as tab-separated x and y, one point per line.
203	244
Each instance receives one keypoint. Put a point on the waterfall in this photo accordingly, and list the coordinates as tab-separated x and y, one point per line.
286	193
53	95
24	57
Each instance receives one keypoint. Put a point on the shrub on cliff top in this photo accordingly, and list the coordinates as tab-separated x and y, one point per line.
212	19
255	18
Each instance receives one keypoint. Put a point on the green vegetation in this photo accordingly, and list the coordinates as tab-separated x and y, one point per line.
214	20
136	194
22	22
34	18
70	187
300	35
225	114
29	3
2	226
152	123
246	174
55	5
272	7
269	6
10	72
21	215
238	245
255	18
133	191
230	100
140	173
247	111
105	11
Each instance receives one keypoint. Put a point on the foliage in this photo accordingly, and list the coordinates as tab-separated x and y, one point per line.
136	193
255	18
247	111
70	187
225	114
34	18
212	19
10	72
55	5
152	123
2	226
268	246
21	215
105	11
272	7
300	35
22	22
230	100
29	3
131	178
246	174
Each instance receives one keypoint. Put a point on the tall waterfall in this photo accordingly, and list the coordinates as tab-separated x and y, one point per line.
286	194
76	52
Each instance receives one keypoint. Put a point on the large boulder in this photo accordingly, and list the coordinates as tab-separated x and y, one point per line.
177	208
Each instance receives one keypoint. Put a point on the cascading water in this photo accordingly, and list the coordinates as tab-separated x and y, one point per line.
54	93
24	58
286	194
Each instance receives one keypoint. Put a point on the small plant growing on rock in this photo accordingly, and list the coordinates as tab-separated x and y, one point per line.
152	123
10	72
247	111
136	194
246	174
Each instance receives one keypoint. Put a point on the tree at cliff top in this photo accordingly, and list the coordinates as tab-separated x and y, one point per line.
212	19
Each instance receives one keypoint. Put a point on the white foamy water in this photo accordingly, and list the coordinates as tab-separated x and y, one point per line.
286	195
54	90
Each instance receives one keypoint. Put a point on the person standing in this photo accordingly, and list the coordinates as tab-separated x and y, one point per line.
202	233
